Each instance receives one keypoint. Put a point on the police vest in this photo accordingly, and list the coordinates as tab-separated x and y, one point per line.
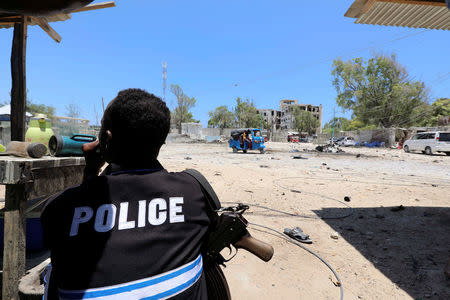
128	235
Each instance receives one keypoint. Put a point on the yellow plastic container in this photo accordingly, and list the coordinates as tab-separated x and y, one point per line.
39	130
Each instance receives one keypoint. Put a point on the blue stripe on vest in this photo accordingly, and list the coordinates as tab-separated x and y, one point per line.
74	295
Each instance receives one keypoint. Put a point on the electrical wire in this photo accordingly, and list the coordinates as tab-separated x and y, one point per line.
290	240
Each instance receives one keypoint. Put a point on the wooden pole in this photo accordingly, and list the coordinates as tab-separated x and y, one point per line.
14	240
19	88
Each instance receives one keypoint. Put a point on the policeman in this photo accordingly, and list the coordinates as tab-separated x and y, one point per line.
136	231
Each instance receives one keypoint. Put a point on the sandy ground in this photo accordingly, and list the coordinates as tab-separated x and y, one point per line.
378	253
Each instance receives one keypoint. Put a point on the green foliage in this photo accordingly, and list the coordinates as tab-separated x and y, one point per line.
379	92
221	117
246	114
339	124
440	108
305	121
181	113
34	109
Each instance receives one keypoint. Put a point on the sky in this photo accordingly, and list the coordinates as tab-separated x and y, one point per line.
216	51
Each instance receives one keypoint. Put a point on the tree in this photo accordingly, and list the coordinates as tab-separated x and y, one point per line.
72	110
339	124
221	118
440	108
305	121
379	91
246	114
184	104
34	109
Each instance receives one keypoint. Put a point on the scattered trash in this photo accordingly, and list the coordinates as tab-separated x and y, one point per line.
347	198
283	194
336	283
188	158
319	148
248	191
264	166
398	208
296	191
217	174
297	234
334	235
294	150
324	164
358	155
434	185
298	157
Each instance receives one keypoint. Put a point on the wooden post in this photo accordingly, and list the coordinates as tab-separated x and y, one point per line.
14	240
19	88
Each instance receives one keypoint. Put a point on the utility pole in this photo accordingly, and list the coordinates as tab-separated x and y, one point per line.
164	78
334	121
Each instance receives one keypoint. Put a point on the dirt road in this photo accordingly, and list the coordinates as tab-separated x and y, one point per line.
379	253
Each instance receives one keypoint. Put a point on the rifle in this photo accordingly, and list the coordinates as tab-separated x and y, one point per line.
231	230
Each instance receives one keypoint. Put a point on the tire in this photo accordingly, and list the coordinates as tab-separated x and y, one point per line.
245	151
406	148
262	151
428	151
235	150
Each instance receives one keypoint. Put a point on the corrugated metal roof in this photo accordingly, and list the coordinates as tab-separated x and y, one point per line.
53	18
406	15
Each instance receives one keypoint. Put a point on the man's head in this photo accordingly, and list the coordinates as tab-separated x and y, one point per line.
134	127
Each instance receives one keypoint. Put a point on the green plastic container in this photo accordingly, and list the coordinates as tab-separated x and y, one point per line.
39	130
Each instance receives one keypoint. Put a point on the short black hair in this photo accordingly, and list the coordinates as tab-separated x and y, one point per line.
139	121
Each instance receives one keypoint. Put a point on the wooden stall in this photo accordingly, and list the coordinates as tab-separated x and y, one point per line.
27	179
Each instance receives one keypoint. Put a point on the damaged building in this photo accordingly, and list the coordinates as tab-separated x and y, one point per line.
283	119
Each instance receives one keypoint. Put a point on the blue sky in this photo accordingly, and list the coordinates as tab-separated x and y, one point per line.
216	51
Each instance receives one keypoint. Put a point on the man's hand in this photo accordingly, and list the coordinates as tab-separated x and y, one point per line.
94	160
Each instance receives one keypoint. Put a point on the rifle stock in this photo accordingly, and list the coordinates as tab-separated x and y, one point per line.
260	249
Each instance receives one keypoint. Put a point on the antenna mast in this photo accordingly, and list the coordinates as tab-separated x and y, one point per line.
164	78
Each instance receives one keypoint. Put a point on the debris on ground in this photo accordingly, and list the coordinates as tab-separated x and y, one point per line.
324	164
294	150
398	208
264	166
188	158
329	149
297	234
248	191
296	191
298	157
334	235
347	198
358	155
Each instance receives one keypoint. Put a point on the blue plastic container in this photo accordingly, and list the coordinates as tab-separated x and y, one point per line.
60	145
33	234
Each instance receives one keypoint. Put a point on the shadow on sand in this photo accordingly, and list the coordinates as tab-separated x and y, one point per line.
410	246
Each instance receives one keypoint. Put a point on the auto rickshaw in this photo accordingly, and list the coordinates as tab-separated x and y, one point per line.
247	139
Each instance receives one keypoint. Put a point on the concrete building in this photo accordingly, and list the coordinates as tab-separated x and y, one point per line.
271	116
284	119
287	108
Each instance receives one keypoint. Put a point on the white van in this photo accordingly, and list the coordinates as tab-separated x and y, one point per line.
429	142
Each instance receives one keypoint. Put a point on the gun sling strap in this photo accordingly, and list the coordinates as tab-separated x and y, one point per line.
213	200
215	279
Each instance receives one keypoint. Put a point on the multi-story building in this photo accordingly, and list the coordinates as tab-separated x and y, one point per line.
272	117
284	118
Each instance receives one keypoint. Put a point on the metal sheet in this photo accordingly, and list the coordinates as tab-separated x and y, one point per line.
407	15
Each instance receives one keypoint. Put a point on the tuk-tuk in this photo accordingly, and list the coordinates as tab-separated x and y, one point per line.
246	139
